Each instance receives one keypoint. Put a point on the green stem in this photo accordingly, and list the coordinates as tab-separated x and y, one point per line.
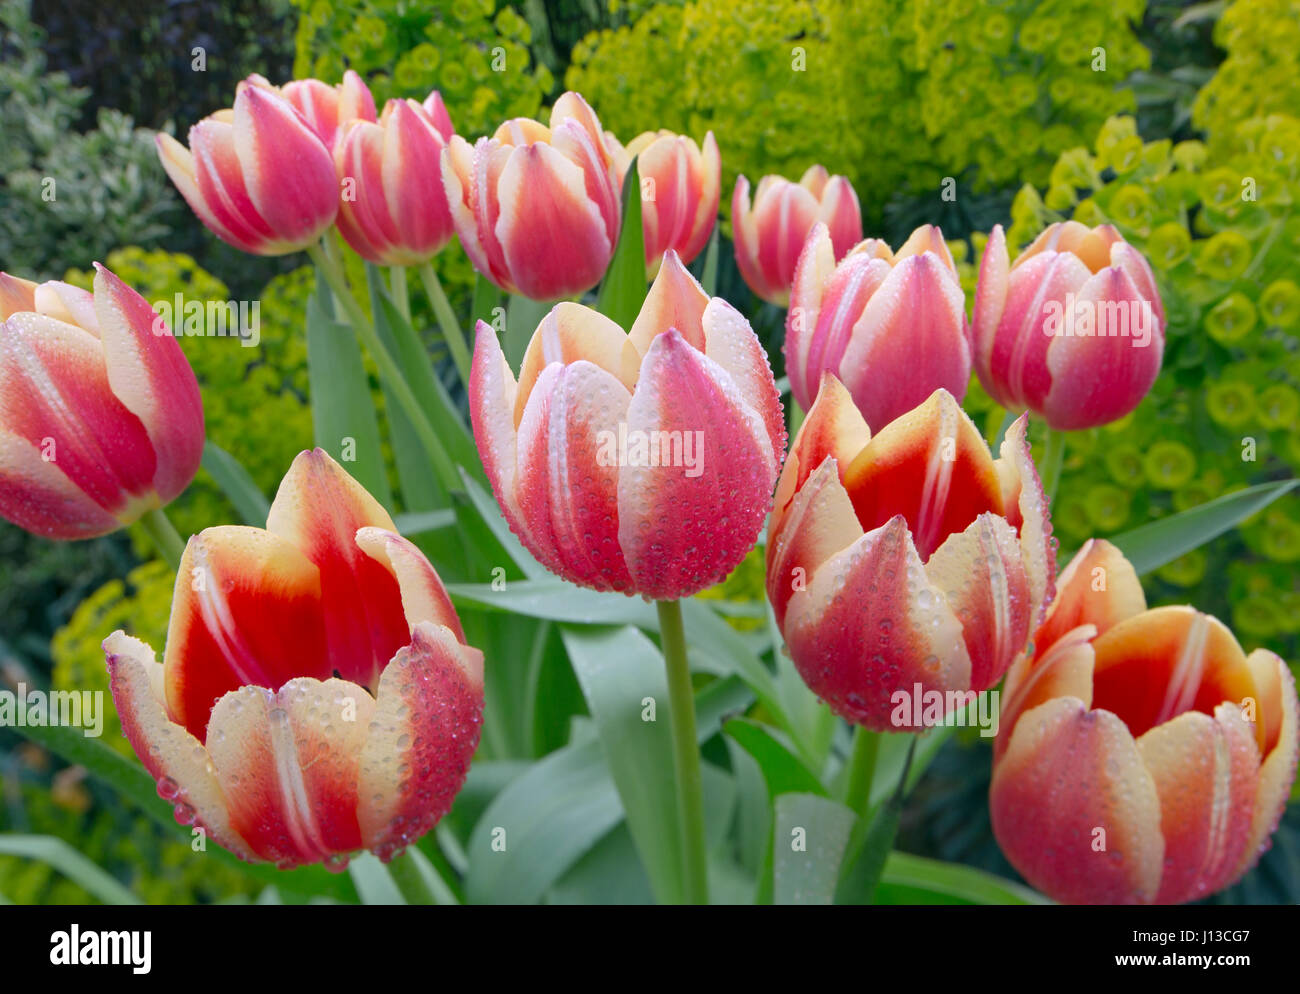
861	770
388	367
164	535
447	321
401	297
686	752
1052	460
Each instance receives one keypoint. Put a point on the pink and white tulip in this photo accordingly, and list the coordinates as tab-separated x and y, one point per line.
100	417
1142	757
327	109
1073	330
681	185
259	175
769	236
911	562
638	461
537	208
316	696
390	212
891	326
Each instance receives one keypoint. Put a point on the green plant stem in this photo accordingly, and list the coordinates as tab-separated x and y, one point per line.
164	535
388	367
861	770
447	321
401	296
686	752
1053	457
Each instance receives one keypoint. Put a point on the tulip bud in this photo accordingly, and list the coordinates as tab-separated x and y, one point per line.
258	176
1142	756
1074	330
537	208
390	212
891	327
641	462
328	110
316	696
906	568
680	189
100	417
770	236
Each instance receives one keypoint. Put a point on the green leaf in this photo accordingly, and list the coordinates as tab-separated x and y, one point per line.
623	290
487	298
490	515
62	857
556	600
375	885
909	879
522	318
341	405
1151	546
619	669
229	474
709	279
811	835
783	771
422	522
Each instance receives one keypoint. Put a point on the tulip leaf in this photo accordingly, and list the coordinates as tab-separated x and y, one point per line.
623	678
909	879
623	290
522	318
60	856
229	474
811	835
487	298
342	410
491	516
783	771
374	882
556	600
1153	545
709	275
423	522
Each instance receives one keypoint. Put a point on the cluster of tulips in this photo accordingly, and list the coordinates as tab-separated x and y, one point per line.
901	553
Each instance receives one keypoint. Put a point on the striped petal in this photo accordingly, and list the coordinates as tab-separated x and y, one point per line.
1099	587
1026	508
675	300
731	343
570	332
492	402
1278	710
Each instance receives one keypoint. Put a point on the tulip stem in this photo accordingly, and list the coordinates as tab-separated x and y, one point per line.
401	296
1053	457
447	320
388	367
686	753
164	536
861	770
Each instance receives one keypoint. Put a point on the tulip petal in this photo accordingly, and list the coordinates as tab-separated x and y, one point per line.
981	572
1026	509
570	332
812	276
37	496
675	300
731	343
1278	709
745	240
424	598
320	508
424	731
684	526
1061	669
492	400
931	466
1206	770
1074	808
246	610
1099	587
870	625
990	303
152	378
175	758
183	170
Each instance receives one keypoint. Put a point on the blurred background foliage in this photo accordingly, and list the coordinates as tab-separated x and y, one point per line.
1176	122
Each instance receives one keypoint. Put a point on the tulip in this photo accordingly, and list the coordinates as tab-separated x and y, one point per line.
316	696
258	176
1142	756
327	109
911	562
100	417
680	189
390	212
537	208
891	327
641	462
770	236
1073	330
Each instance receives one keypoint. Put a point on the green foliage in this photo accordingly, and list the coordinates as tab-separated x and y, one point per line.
406	50
67	197
895	94
1218	226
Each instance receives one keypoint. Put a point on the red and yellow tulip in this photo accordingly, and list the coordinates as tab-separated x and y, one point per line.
769	235
911	560
891	326
537	207
258	175
1142	756
1073	330
638	461
316	697
681	185
100	417
390	211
